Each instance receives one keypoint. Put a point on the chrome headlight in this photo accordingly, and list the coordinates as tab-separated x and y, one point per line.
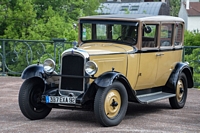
91	68
49	65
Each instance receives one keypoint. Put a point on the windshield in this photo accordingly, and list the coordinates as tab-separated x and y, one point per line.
117	31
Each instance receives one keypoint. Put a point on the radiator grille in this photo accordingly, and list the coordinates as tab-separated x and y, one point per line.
72	65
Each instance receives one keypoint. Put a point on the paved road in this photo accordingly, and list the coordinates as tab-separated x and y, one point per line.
156	117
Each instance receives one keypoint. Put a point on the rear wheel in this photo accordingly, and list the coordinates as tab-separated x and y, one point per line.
30	99
181	93
111	104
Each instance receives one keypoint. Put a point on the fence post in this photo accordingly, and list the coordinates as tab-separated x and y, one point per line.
57	42
3	58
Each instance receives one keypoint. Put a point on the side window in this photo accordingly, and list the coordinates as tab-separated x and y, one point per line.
178	34
149	36
86	31
166	35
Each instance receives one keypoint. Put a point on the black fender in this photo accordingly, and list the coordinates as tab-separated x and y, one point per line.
33	71
179	68
106	79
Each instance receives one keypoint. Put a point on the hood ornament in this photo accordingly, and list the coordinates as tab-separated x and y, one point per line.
74	43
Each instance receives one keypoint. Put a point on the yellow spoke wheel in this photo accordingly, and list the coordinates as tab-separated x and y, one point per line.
112	103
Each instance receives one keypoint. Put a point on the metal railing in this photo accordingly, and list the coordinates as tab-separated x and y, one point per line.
15	55
191	54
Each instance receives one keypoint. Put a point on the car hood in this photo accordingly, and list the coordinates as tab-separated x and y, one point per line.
105	48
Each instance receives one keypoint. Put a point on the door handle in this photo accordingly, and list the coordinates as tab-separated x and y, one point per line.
159	54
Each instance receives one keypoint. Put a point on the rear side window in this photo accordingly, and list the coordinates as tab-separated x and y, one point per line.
178	34
166	35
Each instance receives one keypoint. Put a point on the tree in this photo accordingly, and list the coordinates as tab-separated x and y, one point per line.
192	54
4	5
194	60
22	23
19	20
174	7
191	39
72	9
39	20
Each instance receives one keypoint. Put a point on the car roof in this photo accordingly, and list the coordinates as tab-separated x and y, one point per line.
138	17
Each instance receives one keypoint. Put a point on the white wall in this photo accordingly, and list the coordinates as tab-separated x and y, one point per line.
193	23
183	14
190	1
194	0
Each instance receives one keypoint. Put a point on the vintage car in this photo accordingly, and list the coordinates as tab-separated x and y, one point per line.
118	59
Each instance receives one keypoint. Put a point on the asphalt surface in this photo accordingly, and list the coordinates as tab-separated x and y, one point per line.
156	117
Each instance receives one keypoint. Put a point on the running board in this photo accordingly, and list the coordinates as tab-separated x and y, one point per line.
148	98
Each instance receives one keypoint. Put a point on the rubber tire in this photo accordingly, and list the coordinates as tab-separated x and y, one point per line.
175	104
30	91
99	110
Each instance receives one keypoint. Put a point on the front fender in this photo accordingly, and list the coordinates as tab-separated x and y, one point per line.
106	79
33	71
179	68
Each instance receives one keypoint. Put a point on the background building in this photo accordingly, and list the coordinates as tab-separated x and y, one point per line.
190	12
134	7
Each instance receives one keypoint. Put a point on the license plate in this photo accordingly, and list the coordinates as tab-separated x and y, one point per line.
60	99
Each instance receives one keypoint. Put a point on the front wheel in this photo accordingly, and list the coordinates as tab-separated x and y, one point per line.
110	104
181	93
30	99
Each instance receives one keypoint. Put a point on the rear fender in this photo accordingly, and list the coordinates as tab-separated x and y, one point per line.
179	68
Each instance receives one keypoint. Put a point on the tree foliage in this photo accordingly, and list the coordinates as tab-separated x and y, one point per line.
174	7
39	20
192	54
192	38
42	19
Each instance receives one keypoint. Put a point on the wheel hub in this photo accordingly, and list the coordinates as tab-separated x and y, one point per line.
36	100
112	103
181	90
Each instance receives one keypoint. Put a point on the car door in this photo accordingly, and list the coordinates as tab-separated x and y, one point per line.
169	55
148	59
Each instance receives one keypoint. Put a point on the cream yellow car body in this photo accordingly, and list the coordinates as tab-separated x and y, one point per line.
119	59
137	67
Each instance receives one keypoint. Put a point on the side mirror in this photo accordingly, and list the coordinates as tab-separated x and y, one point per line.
147	29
